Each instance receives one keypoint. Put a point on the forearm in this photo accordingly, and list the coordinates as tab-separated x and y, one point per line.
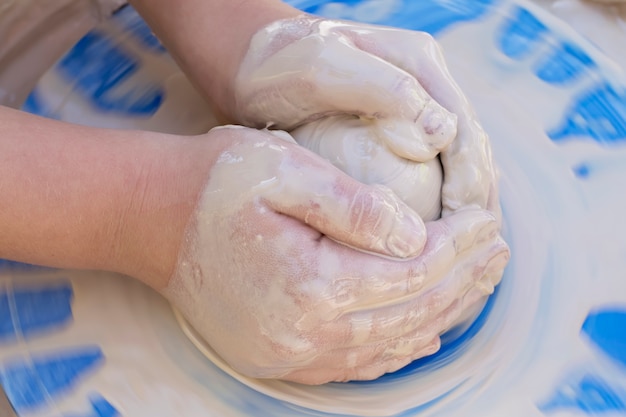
209	38
79	197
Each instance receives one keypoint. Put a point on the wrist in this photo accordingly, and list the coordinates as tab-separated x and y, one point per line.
209	39
84	198
164	187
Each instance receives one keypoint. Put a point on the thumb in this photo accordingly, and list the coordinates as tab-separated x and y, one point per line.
370	218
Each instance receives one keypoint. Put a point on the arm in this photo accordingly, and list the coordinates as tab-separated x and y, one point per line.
209	38
79	197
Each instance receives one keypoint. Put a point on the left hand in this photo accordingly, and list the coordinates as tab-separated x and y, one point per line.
302	69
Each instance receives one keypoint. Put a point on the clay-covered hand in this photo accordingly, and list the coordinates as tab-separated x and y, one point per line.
272	277
299	70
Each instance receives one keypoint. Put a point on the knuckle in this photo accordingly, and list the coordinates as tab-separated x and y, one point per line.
426	39
416	276
404	82
365	214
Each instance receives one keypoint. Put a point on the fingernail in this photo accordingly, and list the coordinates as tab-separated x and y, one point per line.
485	286
407	236
489	231
495	268
489	275
472	296
432	347
438	124
470	226
406	139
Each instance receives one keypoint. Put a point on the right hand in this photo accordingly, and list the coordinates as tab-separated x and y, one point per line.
281	270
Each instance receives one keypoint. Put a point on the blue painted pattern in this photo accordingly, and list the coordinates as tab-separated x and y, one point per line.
99	66
100	407
132	22
35	310
521	34
442	14
589	394
35	105
566	63
582	170
7	265
606	329
31	382
598	113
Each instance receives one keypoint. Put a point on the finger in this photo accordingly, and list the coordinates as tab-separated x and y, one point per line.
467	161
379	85
384	366
493	200
328	75
418	140
371	218
370	360
367	361
356	364
417	314
362	281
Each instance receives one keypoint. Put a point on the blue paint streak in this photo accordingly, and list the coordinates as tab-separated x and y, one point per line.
433	16
590	395
415	411
100	407
137	27
29	386
606	328
599	113
520	34
437	16
38	310
566	63
33	104
7	265
582	171
98	66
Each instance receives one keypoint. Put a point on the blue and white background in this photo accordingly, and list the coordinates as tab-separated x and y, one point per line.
550	342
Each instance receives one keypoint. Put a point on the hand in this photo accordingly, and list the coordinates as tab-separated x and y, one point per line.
299	70
263	278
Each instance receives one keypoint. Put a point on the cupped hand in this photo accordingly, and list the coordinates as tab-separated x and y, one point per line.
283	268
303	69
